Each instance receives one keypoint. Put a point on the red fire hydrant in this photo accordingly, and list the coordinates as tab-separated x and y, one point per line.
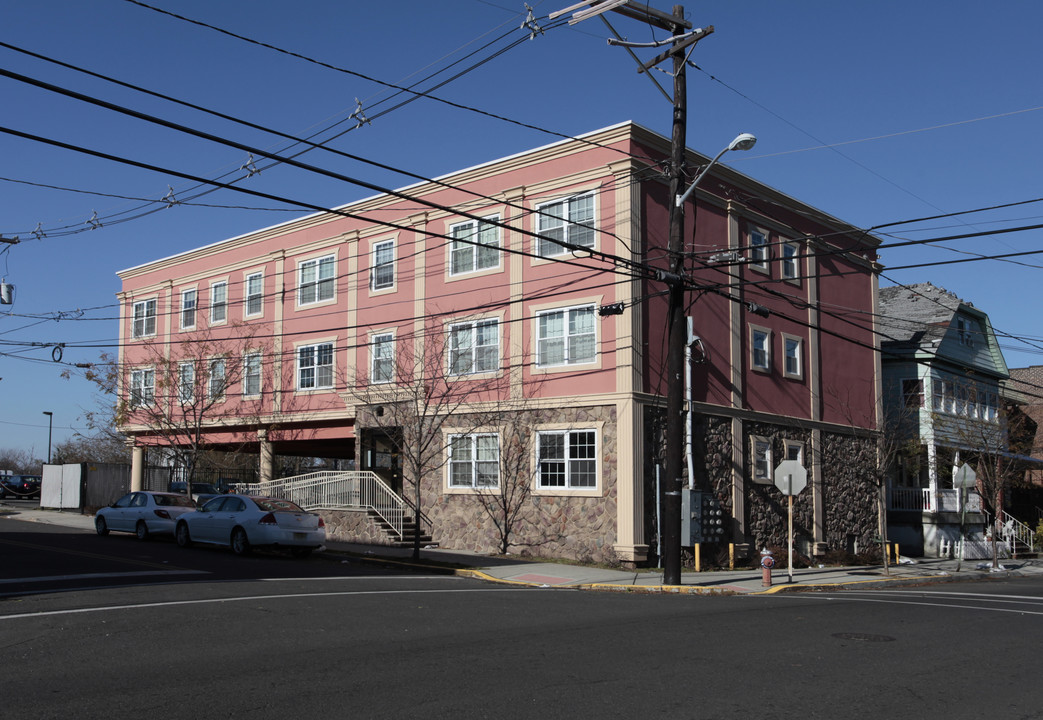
767	563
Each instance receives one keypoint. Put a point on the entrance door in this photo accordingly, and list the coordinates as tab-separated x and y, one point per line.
379	454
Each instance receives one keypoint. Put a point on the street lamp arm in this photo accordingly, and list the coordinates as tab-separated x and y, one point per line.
743	142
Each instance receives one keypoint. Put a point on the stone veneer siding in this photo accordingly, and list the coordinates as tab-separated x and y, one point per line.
850	491
848	488
353	526
579	528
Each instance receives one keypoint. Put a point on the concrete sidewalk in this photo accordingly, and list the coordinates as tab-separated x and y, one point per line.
533	572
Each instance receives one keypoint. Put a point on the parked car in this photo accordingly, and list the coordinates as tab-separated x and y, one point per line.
143	513
243	522
201	491
20	486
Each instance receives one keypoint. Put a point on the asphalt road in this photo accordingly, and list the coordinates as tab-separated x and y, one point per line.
273	637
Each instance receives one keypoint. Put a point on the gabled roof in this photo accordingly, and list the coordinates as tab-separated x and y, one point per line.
916	315
919	320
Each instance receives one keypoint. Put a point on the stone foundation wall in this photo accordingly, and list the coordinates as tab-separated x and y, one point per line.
554	526
353	526
850	492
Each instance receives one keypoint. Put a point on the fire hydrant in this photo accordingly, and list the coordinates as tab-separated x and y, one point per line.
767	563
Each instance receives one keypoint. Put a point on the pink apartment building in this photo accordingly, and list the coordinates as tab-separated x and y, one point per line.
524	278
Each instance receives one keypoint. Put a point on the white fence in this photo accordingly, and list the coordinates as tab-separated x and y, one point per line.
337	490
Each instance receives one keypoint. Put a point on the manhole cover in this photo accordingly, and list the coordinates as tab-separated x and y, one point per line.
865	637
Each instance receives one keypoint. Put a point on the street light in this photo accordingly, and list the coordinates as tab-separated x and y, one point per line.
50	426
743	142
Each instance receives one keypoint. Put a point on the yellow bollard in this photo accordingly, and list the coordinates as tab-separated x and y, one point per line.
731	556
698	564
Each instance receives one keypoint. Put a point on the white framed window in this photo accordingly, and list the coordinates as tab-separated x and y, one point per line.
188	308
474	461
382	358
794	450
144	318
793	357
569	221
912	392
568	459
254	300
760	459
474	347
790	261
382	272
142	387
218	302
760	348
315	366
186	382
759	251
566	336
252	374
217	379
316	280
475	246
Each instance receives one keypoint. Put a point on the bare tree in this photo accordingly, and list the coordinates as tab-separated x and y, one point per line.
19	462
988	443
416	390
179	390
506	503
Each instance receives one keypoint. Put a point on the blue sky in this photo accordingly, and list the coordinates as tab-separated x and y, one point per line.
875	112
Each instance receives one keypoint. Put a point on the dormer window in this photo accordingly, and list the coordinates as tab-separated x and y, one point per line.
964	331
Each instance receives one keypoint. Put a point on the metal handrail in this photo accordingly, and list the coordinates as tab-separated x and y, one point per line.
337	490
1012	529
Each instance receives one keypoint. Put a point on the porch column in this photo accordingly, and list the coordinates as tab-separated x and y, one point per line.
932	476
265	455
137	468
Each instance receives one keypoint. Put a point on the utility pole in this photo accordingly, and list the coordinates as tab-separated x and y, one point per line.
670	521
683	38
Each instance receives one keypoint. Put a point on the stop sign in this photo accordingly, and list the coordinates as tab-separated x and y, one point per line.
790	477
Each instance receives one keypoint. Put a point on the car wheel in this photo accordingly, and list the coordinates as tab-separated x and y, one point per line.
141	530
240	543
182	536
100	526
300	552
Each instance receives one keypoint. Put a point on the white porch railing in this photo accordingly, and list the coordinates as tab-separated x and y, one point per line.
1013	531
337	490
923	500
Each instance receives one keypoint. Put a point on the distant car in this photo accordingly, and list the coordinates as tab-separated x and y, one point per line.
143	513
243	522
20	486
201	491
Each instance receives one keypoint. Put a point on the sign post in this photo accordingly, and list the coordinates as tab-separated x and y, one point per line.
963	478
790	478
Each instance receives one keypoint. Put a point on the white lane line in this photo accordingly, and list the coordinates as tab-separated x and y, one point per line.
851	598
250	598
94	576
984	596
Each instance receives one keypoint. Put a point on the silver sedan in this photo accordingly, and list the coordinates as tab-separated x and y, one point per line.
244	522
143	513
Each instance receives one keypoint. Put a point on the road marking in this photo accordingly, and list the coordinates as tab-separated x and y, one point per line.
854	598
251	598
